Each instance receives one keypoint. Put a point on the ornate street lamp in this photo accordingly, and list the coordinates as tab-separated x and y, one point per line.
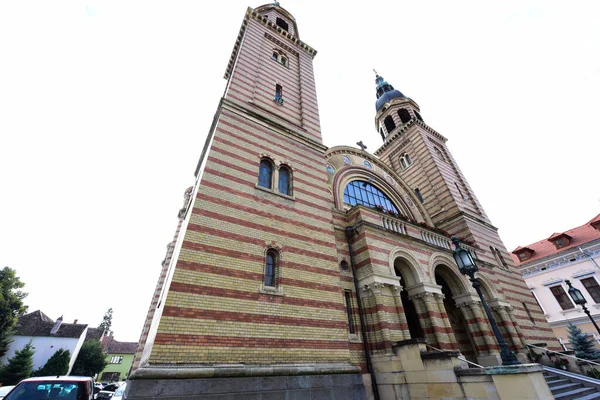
578	298
467	266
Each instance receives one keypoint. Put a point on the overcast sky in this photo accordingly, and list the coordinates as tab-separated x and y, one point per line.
105	106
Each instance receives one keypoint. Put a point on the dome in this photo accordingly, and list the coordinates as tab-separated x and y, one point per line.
385	92
386	97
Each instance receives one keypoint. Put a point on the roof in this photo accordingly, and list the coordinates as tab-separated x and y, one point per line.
578	236
112	346
39	324
94	334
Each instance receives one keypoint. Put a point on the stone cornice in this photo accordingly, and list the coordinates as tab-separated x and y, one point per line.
391	138
296	134
559	260
250	13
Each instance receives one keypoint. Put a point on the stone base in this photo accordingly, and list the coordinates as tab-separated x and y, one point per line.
296	387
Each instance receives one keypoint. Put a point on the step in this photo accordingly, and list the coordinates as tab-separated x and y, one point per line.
557	382
567	387
552	377
591	396
574	394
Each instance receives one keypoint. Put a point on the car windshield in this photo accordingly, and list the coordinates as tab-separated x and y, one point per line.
48	390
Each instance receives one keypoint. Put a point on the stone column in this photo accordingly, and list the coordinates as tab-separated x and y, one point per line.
427	325
382	320
432	313
403	332
451	339
521	339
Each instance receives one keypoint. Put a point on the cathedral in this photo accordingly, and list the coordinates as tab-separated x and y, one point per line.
299	270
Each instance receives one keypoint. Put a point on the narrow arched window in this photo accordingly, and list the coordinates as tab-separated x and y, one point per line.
403	162
271	261
419	195
265	173
404	115
283	61
282	24
418	115
381	133
408	159
275	56
389	123
284	181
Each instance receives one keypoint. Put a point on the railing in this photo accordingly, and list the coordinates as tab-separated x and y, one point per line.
394	224
562	354
459	357
437	240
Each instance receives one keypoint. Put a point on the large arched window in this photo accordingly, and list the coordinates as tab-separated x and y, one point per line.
265	173
389	123
271	260
362	192
284	181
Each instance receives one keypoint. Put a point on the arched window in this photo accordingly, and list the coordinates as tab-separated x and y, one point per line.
271	261
419	195
362	192
404	115
381	133
405	161
389	123
265	173
284	185
418	115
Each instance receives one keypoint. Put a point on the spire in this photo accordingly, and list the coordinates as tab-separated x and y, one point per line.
385	92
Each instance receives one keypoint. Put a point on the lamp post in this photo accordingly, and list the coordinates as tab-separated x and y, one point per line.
578	298
466	266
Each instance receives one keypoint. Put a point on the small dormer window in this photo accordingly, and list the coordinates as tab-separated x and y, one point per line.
560	240
523	253
282	24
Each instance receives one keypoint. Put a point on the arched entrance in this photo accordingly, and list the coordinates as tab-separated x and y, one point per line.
401	268
450	288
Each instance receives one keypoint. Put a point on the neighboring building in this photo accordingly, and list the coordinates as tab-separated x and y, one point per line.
119	356
258	289
47	336
572	255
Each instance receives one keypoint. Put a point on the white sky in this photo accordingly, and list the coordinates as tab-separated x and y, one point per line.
105	105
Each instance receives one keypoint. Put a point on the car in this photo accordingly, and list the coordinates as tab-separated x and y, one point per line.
4	390
53	387
113	391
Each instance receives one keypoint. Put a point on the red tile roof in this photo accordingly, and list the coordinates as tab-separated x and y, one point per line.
544	248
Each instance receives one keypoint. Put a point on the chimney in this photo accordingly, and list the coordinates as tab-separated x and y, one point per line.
75	322
57	325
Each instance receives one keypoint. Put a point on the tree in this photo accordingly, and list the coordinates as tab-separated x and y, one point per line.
91	359
106	321
18	367
11	306
582	344
58	364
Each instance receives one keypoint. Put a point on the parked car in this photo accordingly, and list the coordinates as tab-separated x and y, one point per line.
4	390
113	391
50	387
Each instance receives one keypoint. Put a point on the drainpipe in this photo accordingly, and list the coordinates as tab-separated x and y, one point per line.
350	230
591	258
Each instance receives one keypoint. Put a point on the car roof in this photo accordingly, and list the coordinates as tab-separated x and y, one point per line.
58	378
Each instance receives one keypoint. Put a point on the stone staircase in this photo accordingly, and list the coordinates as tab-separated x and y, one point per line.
569	386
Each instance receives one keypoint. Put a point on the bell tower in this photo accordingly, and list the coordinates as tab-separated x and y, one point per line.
420	156
249	292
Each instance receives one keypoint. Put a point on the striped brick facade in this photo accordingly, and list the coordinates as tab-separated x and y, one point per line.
213	314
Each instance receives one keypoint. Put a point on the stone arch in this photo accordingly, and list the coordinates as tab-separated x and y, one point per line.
451	276
488	289
407	264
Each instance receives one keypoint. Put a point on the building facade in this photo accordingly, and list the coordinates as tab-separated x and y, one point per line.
119	358
46	336
301	268
572	255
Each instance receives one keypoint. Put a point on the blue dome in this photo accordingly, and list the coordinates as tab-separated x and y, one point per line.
385	92
386	97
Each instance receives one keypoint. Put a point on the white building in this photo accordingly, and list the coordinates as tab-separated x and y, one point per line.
47	336
573	255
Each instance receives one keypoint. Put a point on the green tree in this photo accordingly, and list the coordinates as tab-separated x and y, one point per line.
91	359
582	344
58	364
18	367
11	306
106	321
